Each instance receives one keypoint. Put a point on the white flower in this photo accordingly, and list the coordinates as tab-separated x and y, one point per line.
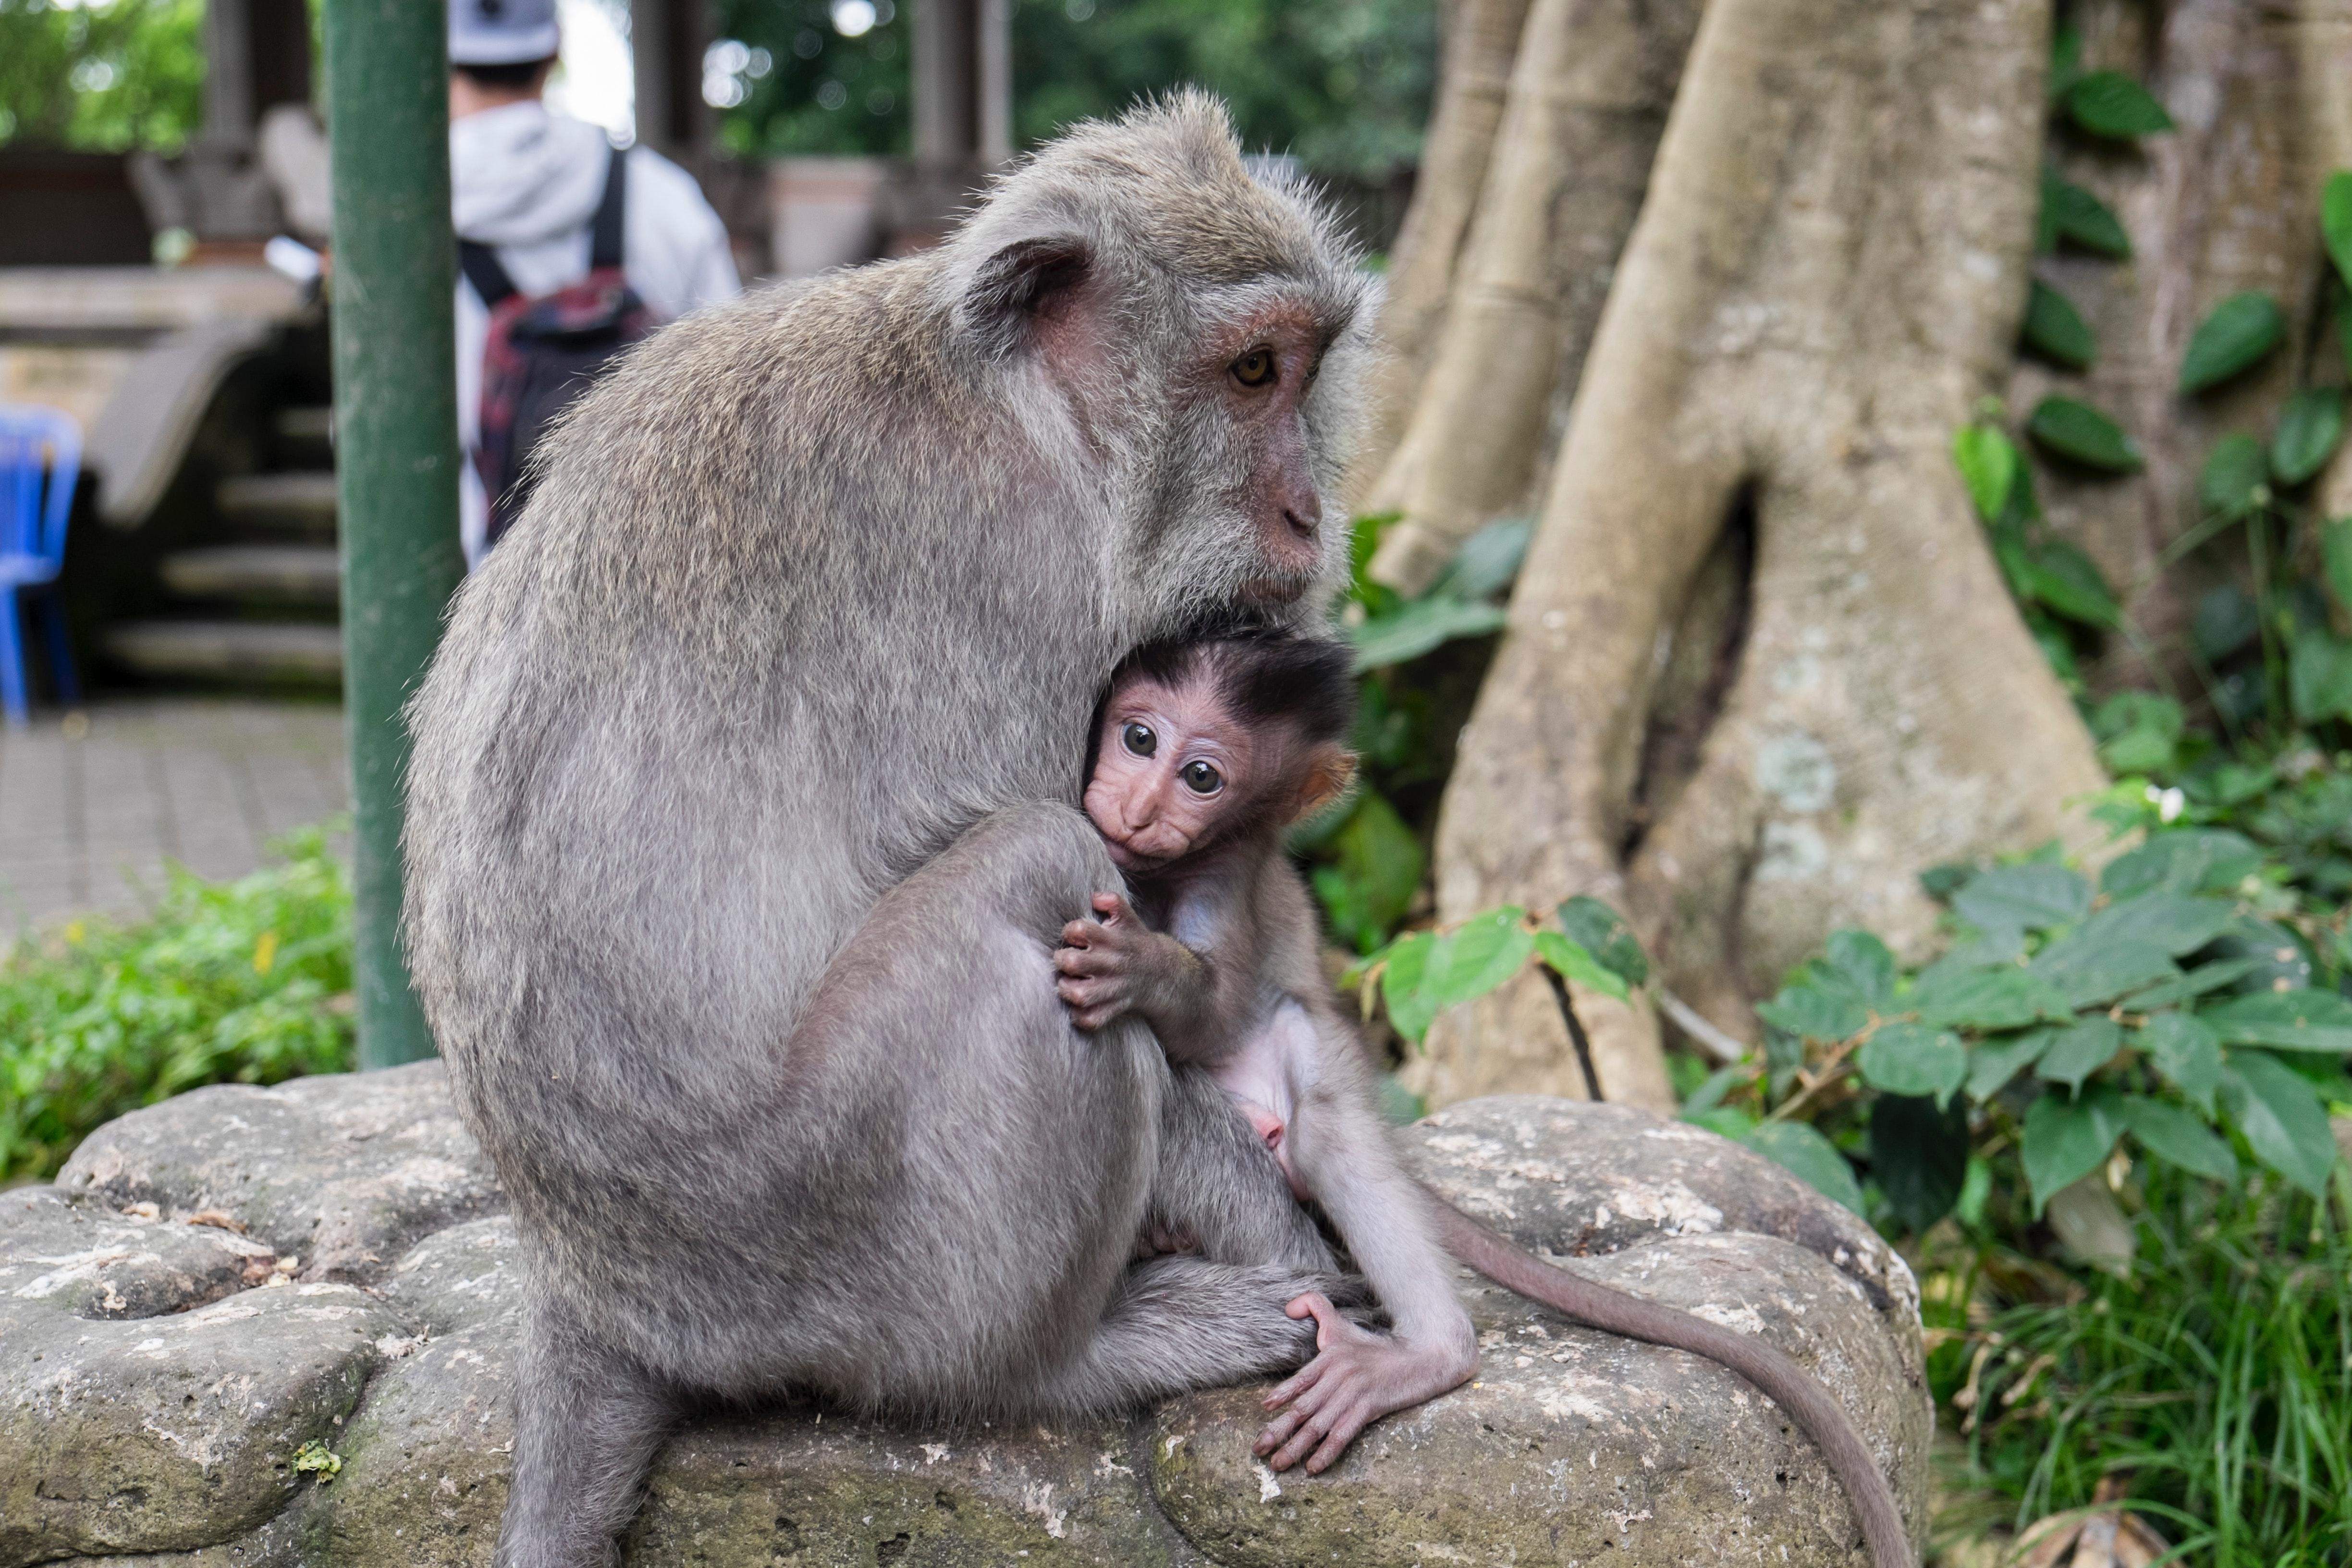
2167	803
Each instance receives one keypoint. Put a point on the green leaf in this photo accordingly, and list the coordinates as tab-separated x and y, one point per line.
2236	479
2335	222
2032	897
1918	1156
1724	1121
2188	1053
1570	960
1488	561
1719	1083
1795	1147
2056	330
1489	948
1399	1106
2305	1020
2205	977
1812	1013
2282	1117
1988	465
2065	61
2110	104
2063	578
2070	212
2091	970
2079	1050
2227	619
2309	427
2171	1133
2066	1140
2173	921
1863	962
1418	625
2238	334
2080	432
1986	1000
2336	548
1364	543
1912	1059
1404	981
2184	859
2319	675
1377	862
1994	1063
1603	933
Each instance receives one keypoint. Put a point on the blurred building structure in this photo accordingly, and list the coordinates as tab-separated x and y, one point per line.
204	546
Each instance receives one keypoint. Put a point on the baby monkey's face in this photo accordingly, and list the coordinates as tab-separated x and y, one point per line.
1173	772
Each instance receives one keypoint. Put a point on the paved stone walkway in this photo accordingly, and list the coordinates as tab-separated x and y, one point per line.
92	805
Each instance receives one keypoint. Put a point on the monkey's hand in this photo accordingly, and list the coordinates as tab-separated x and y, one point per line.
1356	1377
1112	965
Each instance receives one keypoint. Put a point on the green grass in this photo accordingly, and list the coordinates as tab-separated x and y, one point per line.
2215	1380
244	982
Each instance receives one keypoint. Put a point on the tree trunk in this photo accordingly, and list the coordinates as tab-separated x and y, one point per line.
1760	669
2224	203
1589	95
2321	35
1480	41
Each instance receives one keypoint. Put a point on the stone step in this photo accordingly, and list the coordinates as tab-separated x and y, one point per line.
301	503
278	574
306	438
241	651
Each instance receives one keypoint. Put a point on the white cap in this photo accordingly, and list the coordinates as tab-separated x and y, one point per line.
500	32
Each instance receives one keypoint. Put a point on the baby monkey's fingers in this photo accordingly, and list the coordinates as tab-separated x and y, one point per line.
1113	908
1083	933
1085	960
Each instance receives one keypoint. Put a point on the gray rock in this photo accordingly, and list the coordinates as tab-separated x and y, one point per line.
1570	1445
346	1171
95	1262
162	1434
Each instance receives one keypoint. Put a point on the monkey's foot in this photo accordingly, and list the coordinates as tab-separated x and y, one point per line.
1356	1377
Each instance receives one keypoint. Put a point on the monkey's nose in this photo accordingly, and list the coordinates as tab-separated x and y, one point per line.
1303	527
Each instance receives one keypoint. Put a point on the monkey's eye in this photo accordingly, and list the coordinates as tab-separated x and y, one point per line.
1202	779
1255	368
1138	739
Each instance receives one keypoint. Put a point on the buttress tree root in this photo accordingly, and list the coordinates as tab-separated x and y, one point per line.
1760	669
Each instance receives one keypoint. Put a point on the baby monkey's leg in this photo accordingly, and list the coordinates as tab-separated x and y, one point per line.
1220	1191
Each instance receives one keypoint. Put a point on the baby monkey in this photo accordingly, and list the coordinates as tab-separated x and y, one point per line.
1205	753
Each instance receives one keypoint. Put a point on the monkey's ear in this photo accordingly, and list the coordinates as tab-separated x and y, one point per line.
1328	774
1028	288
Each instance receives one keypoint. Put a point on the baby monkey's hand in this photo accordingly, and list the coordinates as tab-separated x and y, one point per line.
1100	962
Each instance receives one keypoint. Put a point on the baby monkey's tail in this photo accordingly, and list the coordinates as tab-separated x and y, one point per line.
1788	1385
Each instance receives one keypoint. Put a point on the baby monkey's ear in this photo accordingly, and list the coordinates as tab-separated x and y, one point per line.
1330	770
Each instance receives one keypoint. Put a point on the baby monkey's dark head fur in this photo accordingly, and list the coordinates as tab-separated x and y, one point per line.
1203	744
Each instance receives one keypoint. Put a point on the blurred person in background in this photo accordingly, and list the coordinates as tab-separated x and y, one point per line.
541	300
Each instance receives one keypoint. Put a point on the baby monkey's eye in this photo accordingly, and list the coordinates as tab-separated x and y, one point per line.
1138	739
1202	779
1255	368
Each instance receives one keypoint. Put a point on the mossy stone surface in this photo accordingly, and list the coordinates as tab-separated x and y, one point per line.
155	1384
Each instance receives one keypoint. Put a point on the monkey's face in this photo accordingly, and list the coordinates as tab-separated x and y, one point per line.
1172	773
1242	512
1261	370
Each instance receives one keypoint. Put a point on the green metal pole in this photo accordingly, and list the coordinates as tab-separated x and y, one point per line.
395	445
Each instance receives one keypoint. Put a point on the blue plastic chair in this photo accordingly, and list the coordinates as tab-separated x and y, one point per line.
40	459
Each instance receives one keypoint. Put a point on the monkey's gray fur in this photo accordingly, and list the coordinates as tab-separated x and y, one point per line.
741	832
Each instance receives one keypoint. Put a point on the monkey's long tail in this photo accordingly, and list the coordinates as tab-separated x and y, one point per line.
1788	1385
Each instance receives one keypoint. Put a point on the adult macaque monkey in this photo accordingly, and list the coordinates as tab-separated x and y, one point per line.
741	825
1205	752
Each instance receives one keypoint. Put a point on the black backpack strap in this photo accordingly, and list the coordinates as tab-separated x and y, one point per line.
483	270
604	233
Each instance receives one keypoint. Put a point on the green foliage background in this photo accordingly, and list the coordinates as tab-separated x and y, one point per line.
103	77
244	982
1344	84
